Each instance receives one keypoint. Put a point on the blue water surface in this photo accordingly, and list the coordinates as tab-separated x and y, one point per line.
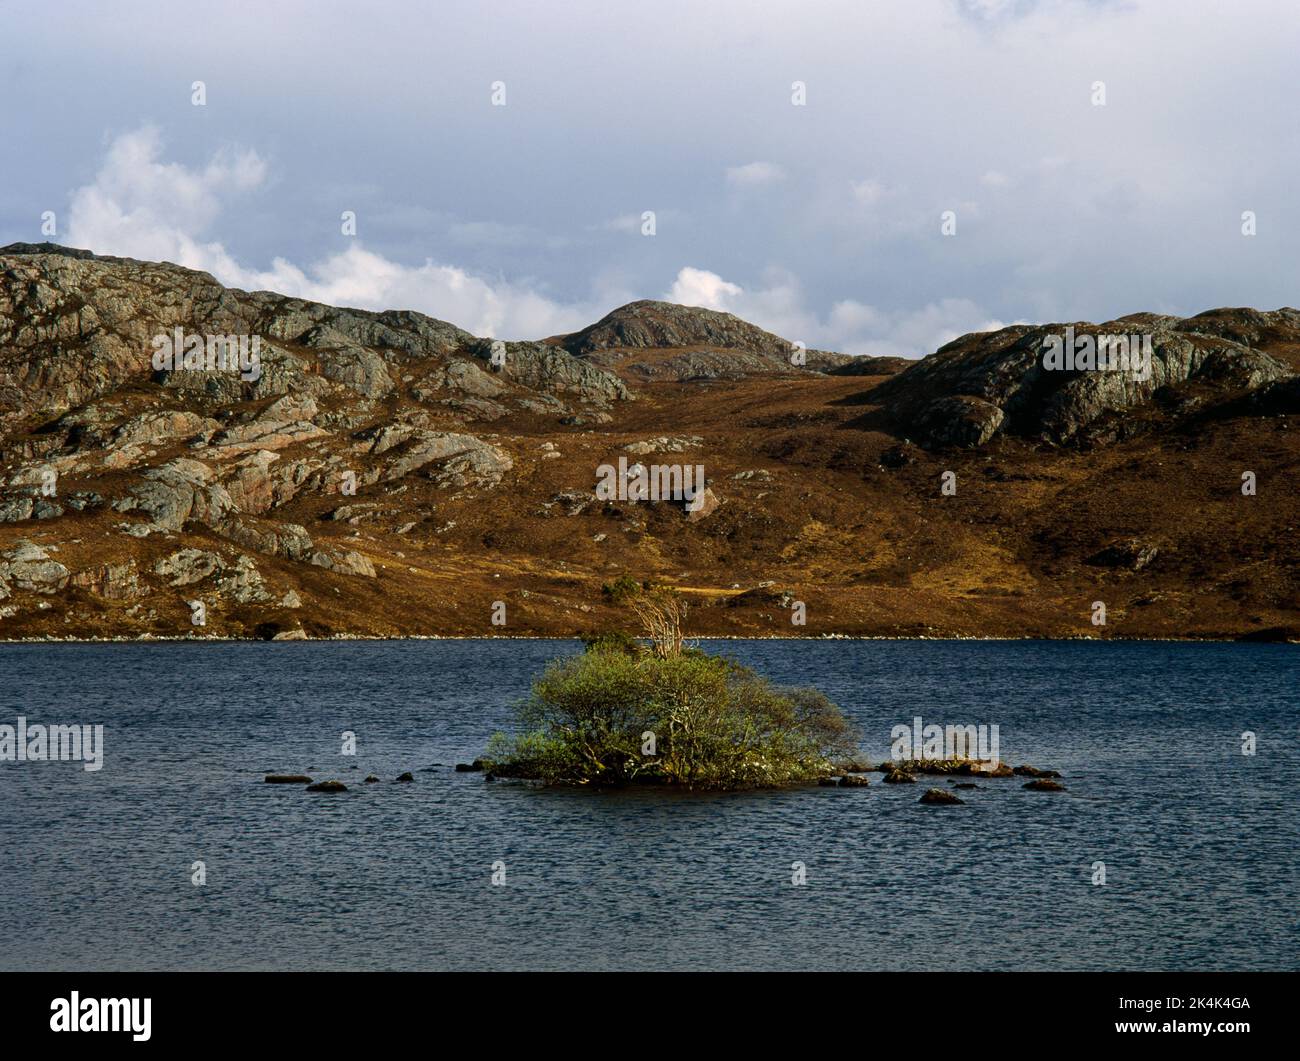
1198	840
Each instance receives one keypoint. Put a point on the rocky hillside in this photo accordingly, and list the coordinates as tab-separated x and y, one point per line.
663	341
981	385
384	474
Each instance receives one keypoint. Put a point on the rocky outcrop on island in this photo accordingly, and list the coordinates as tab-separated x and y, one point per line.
387	473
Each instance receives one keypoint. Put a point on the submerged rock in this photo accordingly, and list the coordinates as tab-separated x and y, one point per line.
287	779
1045	785
1025	770
843	781
328	786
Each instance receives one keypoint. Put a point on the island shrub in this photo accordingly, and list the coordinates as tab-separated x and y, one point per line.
623	713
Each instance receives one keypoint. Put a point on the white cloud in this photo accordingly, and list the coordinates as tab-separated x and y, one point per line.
699	287
627	223
140	206
754	174
850	327
868	192
989	9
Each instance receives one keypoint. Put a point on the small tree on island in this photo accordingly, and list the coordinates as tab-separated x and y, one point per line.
662	613
622	713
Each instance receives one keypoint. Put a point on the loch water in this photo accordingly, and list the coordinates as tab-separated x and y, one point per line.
1198	841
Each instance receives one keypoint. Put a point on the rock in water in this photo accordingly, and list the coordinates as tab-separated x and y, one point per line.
328	786
1045	784
899	777
939	796
287	779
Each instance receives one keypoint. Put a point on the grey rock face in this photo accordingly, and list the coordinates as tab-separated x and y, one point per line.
187	566
706	365
343	361
161	426
468	378
179	491
16	509
29	567
76	326
552	369
996	382
264	434
664	444
239	582
250	482
288	540
648	324
118	581
243	583
462	459
344	562
960	420
403	335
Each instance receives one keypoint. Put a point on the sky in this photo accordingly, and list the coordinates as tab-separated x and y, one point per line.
500	158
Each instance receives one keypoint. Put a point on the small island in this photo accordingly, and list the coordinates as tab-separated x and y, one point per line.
651	711
659	713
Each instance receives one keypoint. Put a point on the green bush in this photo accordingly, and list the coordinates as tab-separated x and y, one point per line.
614	641
621	589
716	724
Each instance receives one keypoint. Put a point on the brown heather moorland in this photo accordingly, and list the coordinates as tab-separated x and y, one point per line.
475	482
